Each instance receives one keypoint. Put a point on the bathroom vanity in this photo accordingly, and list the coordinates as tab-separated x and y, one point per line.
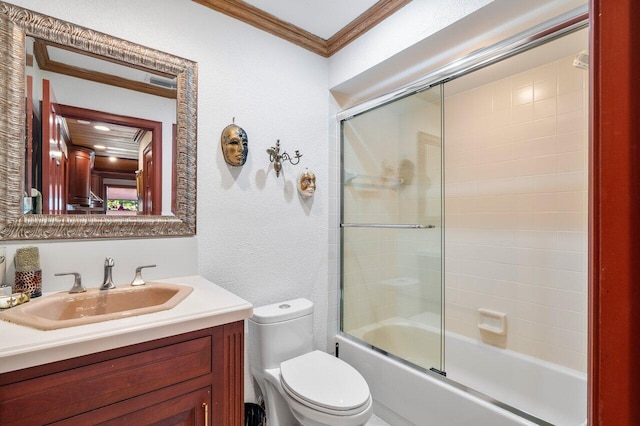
181	366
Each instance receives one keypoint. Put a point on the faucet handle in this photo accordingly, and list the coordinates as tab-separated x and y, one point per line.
77	282
137	280
109	261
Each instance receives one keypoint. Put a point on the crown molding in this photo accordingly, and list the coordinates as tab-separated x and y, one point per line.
258	18
363	23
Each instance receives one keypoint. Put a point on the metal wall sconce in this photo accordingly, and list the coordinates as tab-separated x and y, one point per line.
276	158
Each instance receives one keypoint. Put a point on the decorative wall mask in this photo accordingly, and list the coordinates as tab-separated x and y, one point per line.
235	145
306	183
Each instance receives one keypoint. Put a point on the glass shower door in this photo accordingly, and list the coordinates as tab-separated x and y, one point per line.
391	230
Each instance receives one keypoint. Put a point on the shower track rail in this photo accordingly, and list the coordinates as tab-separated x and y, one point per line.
387	225
563	24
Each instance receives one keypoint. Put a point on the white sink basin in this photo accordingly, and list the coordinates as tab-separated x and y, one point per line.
62	310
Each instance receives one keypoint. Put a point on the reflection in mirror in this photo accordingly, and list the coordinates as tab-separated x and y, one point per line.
108	126
107	147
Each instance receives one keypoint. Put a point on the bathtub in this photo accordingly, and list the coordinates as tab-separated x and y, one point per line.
408	396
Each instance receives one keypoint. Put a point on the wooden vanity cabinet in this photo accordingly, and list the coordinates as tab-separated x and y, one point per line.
190	379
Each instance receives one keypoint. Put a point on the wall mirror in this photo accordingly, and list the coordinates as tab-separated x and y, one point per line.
97	134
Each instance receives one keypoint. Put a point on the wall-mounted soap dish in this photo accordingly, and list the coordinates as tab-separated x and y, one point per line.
492	321
493	327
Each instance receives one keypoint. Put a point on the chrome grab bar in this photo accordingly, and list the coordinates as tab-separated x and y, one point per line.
386	225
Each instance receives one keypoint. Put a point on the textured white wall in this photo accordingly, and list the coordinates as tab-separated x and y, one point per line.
256	236
409	25
174	257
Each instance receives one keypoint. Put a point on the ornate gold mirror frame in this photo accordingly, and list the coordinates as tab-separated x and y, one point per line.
15	24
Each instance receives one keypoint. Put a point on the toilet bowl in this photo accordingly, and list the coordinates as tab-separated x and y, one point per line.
300	385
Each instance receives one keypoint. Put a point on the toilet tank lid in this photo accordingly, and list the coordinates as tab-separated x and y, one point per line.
282	311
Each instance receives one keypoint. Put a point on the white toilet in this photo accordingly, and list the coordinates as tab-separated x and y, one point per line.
300	385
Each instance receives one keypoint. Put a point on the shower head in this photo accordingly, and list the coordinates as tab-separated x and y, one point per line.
582	60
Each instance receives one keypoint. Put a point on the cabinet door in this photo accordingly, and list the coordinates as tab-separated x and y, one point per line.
73	391
190	409
80	165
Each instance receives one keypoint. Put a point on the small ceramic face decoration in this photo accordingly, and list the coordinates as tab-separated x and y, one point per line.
306	183
235	145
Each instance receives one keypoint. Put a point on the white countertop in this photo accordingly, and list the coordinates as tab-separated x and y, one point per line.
208	305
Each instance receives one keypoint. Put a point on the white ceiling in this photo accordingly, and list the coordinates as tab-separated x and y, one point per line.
323	18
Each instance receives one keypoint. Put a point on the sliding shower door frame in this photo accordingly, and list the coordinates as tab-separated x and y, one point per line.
565	24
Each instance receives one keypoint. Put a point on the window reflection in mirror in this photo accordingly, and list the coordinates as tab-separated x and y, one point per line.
122	201
92	125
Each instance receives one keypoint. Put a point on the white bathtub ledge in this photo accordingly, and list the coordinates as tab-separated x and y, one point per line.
404	396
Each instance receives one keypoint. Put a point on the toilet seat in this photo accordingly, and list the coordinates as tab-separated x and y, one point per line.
325	383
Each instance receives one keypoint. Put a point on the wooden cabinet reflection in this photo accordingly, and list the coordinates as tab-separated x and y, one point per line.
80	164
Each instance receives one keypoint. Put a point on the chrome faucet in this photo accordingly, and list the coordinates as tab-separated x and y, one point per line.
108	279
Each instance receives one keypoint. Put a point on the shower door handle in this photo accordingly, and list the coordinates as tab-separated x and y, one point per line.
387	225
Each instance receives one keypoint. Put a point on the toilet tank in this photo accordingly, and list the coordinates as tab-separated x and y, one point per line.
279	332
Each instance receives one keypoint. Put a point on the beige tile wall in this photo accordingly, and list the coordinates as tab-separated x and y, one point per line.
516	210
